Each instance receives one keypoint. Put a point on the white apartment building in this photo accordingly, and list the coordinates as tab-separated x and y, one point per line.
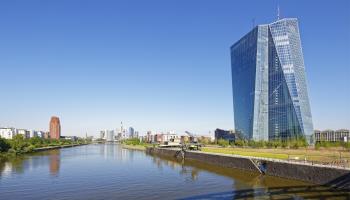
7	133
32	133
170	137
40	134
23	132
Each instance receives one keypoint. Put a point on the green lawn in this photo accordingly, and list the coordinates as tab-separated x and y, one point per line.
234	151
324	156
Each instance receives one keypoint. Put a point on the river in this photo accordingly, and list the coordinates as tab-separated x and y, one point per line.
107	171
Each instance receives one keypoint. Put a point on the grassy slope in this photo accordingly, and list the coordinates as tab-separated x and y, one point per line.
310	154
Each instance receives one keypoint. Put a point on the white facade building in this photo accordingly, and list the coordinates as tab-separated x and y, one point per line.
110	136
32	133
7	133
40	134
23	132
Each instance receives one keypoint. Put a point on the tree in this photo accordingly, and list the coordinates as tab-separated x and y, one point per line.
4	145
36	141
19	144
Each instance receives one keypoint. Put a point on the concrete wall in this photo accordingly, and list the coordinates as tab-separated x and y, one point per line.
309	173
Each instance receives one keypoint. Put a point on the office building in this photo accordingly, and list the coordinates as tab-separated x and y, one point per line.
270	96
55	128
225	134
131	132
109	135
341	135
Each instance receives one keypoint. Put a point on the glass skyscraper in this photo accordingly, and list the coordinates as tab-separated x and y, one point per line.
270	97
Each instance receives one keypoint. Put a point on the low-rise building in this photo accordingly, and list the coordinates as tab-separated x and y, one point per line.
72	138
32	133
225	134
46	135
7	133
23	132
328	135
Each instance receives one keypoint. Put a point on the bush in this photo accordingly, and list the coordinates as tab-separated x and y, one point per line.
239	143
18	144
4	145
29	148
36	142
132	141
223	143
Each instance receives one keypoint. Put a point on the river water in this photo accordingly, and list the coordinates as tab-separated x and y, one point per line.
107	171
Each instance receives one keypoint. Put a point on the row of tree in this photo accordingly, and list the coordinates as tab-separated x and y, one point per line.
325	144
293	143
18	144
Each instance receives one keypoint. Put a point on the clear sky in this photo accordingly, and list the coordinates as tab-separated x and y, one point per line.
155	65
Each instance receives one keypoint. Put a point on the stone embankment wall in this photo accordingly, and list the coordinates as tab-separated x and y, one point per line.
305	172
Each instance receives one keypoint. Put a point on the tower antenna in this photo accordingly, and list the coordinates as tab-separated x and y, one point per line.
278	12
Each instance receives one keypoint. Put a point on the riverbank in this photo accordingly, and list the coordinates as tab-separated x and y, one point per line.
10	154
136	147
316	174
56	147
337	157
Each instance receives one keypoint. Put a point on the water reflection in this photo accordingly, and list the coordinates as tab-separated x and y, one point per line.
256	186
111	172
18	164
194	168
54	159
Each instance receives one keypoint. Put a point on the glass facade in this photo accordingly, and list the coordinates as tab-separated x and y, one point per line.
270	96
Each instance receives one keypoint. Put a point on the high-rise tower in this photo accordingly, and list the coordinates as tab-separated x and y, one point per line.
55	128
270	97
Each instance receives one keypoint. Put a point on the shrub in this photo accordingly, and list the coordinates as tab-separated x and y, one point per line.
223	143
18	144
133	141
4	145
239	143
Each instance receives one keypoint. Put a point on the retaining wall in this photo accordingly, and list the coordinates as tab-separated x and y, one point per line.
321	175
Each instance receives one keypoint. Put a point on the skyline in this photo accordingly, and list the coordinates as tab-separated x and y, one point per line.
154	73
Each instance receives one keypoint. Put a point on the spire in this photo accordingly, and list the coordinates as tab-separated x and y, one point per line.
278	12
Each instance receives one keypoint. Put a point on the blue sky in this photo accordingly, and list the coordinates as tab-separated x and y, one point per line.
155	65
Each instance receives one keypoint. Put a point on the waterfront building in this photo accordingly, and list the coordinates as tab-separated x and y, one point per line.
149	137
270	96
40	134
24	132
109	135
7	133
131	132
341	135
170	137
72	138
158	138
32	133
46	135
55	128
225	134
102	134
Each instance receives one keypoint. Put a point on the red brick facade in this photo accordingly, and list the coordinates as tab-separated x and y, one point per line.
55	128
